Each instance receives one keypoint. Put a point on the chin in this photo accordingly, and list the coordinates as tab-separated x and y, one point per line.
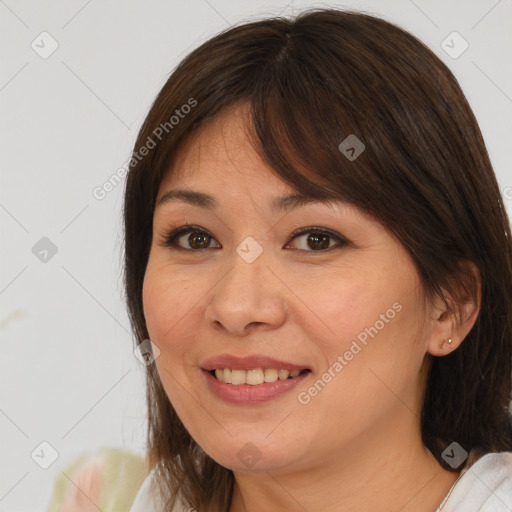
250	453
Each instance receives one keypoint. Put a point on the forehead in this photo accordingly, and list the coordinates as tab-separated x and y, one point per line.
220	154
218	165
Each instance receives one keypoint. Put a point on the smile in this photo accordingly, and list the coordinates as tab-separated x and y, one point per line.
251	379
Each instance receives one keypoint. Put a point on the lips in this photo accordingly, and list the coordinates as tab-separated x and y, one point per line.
256	392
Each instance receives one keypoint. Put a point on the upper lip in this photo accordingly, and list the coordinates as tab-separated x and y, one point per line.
248	363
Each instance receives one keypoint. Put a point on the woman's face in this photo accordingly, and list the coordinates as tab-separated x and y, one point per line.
240	292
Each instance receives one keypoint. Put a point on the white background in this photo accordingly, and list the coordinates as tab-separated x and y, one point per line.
68	122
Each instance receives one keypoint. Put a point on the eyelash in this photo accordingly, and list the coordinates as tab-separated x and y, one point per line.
169	238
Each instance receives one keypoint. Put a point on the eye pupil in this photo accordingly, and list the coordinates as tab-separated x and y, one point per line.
321	241
196	240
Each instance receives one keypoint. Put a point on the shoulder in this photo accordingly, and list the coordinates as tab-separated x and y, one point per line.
149	499
485	486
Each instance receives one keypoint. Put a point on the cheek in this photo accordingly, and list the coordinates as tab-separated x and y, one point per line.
372	368
371	318
167	298
166	303
345	307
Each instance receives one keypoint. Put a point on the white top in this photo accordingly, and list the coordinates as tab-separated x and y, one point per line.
484	486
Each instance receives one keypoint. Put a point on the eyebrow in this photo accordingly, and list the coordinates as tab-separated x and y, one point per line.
202	200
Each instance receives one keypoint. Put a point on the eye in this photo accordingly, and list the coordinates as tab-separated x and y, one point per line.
198	239
319	239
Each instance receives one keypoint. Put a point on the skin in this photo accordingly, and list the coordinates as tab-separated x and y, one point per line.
356	445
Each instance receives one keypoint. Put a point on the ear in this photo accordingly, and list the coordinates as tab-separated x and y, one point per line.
448	325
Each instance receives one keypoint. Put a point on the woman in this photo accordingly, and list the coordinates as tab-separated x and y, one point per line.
317	248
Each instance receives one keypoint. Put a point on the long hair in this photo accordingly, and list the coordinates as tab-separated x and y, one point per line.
425	174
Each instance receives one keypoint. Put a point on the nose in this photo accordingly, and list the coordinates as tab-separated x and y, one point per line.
249	297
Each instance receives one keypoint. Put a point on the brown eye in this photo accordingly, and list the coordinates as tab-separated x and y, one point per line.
198	240
318	240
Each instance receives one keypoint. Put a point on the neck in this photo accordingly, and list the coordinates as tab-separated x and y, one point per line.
381	474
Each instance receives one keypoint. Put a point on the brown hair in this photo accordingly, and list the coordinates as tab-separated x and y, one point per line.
425	174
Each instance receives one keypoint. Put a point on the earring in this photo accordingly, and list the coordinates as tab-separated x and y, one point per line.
443	342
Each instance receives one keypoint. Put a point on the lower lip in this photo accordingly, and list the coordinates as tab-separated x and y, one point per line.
245	394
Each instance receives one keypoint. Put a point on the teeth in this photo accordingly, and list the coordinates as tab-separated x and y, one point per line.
283	374
226	377
271	375
238	377
253	377
223	375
